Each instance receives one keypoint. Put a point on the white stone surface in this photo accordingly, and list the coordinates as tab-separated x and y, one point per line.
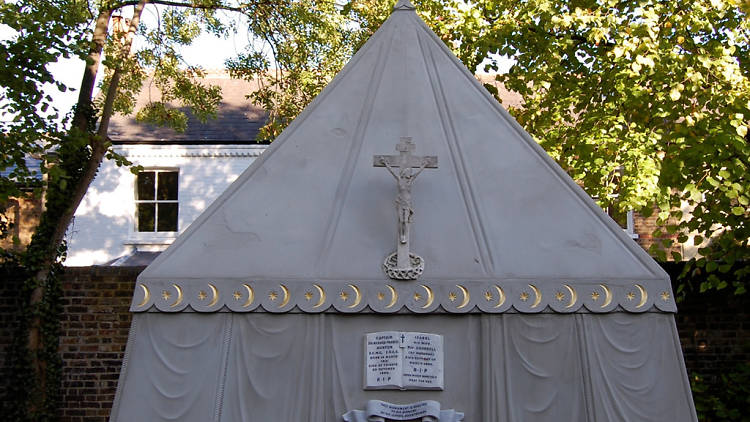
104	225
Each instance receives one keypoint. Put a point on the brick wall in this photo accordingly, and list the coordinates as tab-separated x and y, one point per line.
95	326
645	227
94	331
714	330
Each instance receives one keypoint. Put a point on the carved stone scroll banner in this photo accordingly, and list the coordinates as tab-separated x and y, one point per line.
423	411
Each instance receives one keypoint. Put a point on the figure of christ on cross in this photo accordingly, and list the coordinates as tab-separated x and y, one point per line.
401	167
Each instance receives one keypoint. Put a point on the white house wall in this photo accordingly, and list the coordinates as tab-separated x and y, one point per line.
104	224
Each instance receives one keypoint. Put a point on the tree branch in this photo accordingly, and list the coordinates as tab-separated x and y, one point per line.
114	83
190	5
580	39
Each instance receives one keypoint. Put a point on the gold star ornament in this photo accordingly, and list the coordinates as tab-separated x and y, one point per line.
165	295
381	295
559	296
273	295
595	296
308	295
452	296
488	296
524	296
202	295
237	295
344	295
630	295
665	296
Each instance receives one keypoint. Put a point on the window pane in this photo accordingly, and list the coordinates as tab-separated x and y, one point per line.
167	185
620	217
145	182
145	214
167	218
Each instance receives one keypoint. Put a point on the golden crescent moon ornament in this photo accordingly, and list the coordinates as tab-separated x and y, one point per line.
179	296
146	295
215	293
285	300
607	295
573	296
644	295
430	296
322	294
250	296
500	295
357	296
537	296
466	294
394	296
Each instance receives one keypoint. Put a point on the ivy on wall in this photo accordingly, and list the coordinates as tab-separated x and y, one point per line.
727	400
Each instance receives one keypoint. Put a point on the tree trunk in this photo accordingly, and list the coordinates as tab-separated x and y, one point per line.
83	115
79	158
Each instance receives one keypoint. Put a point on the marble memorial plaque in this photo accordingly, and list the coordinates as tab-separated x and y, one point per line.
403	361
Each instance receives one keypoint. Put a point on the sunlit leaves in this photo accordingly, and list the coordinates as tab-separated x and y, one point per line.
299	47
659	90
39	34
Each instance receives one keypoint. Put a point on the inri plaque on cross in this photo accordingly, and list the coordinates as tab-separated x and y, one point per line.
402	264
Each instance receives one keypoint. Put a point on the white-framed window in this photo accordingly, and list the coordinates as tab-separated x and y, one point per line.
623	218
156	201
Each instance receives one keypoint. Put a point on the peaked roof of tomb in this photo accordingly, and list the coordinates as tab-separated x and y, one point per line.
498	218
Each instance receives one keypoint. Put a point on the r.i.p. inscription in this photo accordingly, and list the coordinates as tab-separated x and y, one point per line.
403	361
383	363
423	361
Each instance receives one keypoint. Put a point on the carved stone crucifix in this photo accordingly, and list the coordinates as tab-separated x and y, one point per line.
401	167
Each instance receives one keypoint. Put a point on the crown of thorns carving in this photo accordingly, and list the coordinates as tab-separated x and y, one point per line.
412	273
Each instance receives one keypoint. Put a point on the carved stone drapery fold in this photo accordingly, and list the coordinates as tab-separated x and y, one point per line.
510	367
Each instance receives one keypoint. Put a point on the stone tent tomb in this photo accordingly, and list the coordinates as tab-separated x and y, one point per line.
494	289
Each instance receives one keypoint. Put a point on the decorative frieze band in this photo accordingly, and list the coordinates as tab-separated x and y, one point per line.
390	297
193	154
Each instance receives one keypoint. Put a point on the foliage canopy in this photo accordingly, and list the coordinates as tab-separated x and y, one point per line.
645	100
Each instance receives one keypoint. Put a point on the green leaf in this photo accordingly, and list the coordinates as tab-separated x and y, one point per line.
711	266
